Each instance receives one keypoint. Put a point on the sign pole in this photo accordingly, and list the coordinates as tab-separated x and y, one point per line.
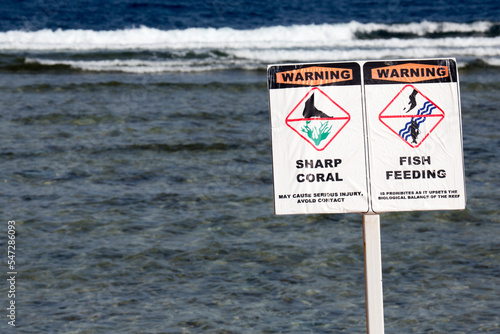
373	275
333	121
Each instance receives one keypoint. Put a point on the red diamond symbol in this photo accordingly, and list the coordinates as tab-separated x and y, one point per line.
411	116
317	119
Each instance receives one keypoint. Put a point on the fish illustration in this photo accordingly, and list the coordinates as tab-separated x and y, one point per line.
414	131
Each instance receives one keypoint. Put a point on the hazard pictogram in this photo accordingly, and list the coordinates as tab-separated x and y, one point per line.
317	119
411	116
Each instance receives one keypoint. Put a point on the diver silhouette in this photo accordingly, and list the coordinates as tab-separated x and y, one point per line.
311	111
413	102
414	131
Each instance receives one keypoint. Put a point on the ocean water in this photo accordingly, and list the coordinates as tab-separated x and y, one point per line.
136	162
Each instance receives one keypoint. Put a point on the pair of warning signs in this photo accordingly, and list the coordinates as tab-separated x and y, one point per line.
366	136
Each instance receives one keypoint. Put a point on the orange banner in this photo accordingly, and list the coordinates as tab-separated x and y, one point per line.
314	76
410	72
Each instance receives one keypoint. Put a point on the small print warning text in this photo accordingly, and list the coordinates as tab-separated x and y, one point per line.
333	197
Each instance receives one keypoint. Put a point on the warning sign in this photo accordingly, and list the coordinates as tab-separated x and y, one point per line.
317	119
318	138
415	138
411	116
366	136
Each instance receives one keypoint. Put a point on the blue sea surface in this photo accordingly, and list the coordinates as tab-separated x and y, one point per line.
135	159
119	14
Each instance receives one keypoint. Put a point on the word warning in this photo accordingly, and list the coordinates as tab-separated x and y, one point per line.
366	136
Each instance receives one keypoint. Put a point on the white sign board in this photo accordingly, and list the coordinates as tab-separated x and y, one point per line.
366	136
415	137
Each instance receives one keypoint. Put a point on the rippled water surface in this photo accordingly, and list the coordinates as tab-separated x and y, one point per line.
144	205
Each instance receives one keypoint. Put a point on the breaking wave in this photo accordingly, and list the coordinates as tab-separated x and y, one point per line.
150	50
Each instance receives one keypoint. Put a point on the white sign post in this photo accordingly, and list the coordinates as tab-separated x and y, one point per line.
373	275
367	137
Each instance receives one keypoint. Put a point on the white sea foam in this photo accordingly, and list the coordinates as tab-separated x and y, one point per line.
144	38
256	47
142	66
427	27
324	35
